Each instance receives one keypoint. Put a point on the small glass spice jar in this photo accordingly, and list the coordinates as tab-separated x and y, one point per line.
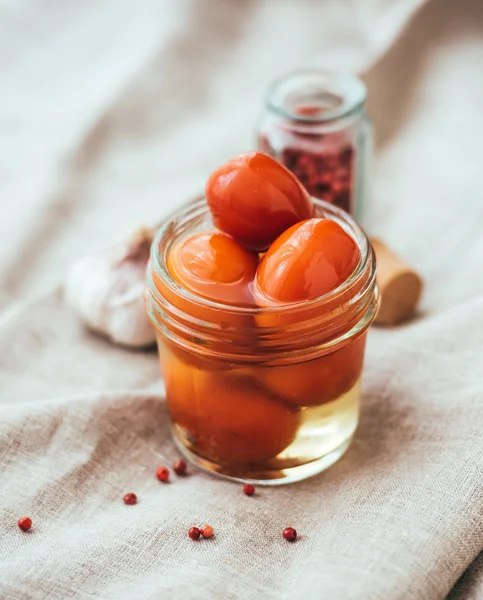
264	395
315	124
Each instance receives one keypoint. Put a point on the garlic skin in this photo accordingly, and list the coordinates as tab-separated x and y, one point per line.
107	289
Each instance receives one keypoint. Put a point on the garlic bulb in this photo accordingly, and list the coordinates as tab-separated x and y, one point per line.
107	291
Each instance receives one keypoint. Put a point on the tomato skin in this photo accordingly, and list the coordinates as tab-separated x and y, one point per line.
214	266
310	259
254	199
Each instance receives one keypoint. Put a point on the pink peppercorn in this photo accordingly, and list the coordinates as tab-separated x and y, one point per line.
130	499
289	534
314	123
194	533
207	531
327	174
180	467
162	474
248	489
24	523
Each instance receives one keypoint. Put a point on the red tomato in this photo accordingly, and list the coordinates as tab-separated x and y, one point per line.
254	199
213	265
309	260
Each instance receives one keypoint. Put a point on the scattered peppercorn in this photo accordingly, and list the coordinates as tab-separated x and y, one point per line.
207	531
194	533
248	489
180	467
162	474
130	499
25	523
289	534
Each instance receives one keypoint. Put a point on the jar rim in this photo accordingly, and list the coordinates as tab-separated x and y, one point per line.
198	208
347	95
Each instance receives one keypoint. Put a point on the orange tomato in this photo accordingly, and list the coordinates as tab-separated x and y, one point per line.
213	265
238	422
308	260
254	199
227	416
316	381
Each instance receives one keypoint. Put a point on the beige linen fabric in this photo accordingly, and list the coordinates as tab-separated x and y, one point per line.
110	116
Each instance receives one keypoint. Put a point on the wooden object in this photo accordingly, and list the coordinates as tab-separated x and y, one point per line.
399	285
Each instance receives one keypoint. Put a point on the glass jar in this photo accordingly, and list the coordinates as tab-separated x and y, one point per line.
314	123
267	395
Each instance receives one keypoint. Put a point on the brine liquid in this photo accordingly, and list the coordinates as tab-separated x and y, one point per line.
322	430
